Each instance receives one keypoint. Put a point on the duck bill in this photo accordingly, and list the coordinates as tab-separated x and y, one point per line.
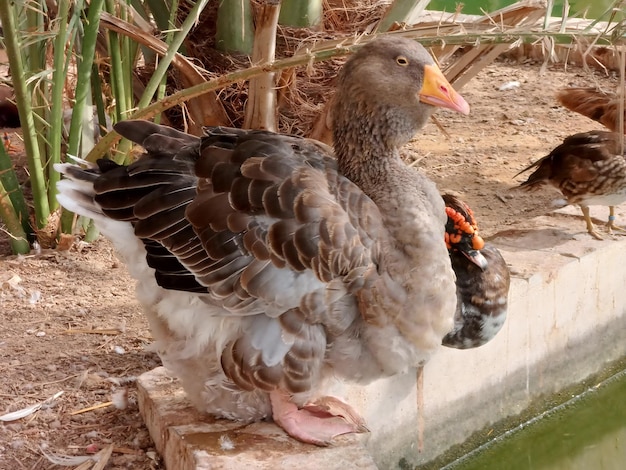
437	91
477	258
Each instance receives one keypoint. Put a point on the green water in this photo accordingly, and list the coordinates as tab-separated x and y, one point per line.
587	433
595	8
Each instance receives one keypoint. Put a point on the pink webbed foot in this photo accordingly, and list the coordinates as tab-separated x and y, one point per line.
318	422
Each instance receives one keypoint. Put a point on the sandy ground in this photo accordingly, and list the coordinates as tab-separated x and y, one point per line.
69	322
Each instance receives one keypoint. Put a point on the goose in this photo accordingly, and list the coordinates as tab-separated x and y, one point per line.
269	264
482	279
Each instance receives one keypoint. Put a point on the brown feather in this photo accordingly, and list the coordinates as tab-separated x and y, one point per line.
597	104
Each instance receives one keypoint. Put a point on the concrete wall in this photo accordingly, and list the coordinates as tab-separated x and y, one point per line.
566	320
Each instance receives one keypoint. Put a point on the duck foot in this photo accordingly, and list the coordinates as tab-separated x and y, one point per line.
610	226
318	422
591	229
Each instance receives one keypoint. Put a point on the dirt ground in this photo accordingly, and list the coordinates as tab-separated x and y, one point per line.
69	322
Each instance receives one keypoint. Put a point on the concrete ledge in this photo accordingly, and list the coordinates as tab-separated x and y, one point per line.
189	441
566	320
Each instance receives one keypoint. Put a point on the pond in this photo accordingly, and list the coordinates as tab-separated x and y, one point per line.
586	433
594	8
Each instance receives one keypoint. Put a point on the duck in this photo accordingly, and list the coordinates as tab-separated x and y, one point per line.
595	103
588	168
482	279
269	264
9	116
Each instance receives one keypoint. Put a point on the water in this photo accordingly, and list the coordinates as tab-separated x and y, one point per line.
594	8
587	433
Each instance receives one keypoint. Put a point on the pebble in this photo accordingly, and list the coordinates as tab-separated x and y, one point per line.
17	443
509	85
56	424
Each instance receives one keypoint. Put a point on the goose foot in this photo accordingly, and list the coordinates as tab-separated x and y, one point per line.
318	422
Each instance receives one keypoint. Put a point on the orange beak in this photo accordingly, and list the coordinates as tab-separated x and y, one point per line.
437	91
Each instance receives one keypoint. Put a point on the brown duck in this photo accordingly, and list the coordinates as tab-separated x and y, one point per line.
267	264
588	168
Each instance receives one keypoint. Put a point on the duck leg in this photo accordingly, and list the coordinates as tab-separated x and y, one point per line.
590	227
316	423
610	226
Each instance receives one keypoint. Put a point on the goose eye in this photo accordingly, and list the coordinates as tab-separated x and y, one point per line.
401	60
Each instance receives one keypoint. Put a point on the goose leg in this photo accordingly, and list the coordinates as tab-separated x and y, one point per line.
590	227
316	423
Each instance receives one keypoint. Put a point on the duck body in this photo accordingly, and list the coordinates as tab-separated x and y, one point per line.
267	265
588	168
482	280
482	299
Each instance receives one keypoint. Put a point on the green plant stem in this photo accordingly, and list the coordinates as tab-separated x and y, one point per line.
35	54
300	13
10	183
23	102
169	37
166	60
96	88
83	83
235	27
117	70
18	237
56	110
401	11
162	12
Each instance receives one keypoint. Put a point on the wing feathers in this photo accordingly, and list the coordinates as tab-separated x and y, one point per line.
266	227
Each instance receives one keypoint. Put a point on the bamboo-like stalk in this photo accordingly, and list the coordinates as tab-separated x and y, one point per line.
82	98
23	102
83	76
169	37
261	110
18	237
121	66
301	13
117	71
163	12
166	60
205	111
401	11
96	91
235	27
34	54
10	183
56	109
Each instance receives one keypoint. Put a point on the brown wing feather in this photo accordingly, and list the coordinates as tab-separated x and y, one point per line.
262	222
594	103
